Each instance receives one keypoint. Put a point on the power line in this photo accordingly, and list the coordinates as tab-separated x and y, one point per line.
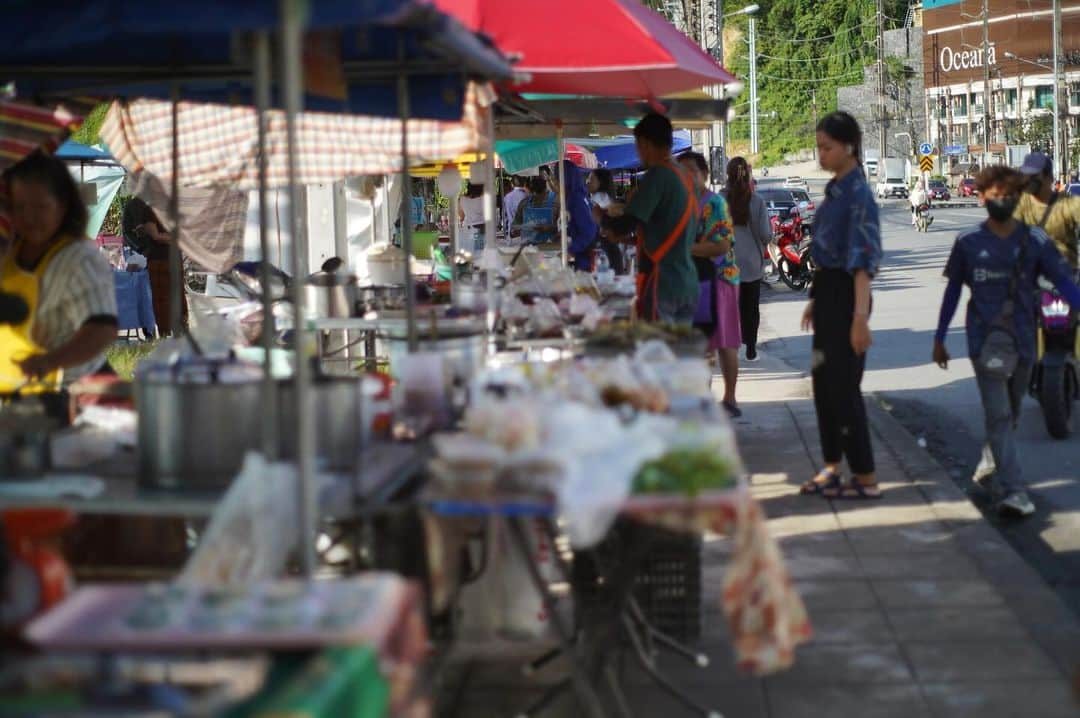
782	40
847	53
841	76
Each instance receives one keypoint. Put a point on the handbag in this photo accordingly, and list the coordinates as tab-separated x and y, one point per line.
1000	353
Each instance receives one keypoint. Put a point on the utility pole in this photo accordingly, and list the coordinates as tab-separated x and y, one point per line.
753	89
1059	155
883	121
987	104
720	128
813	101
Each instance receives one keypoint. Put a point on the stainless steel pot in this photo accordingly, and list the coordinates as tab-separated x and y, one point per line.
343	418
196	422
330	295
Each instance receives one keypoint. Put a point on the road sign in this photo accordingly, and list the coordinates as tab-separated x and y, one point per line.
926	163
926	148
955	149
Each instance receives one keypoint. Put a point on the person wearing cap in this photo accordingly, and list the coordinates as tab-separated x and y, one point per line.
1040	206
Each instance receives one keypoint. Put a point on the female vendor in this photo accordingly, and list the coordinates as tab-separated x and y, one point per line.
65	281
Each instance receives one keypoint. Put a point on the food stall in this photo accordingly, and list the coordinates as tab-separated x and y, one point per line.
156	487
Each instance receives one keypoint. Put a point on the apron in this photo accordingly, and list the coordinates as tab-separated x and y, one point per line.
16	342
544	214
649	283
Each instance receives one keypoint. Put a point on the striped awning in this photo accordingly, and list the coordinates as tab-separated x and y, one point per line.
25	128
218	145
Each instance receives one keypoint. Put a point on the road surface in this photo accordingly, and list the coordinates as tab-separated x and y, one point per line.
943	406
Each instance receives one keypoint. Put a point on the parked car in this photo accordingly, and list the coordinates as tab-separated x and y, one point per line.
967	187
938	191
779	202
1073	190
807	208
796	183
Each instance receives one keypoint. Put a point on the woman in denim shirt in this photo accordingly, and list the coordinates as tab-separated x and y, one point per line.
846	252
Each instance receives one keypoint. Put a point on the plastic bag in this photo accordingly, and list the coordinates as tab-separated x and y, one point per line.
599	477
252	530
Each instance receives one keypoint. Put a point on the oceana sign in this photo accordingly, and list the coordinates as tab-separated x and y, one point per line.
950	60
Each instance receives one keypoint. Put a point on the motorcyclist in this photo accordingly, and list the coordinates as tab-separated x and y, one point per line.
1062	220
918	198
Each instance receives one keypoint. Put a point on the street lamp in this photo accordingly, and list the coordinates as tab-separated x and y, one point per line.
720	128
1058	167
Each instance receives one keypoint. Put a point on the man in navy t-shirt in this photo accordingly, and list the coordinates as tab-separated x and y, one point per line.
984	259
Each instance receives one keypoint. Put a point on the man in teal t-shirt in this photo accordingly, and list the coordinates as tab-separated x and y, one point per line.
663	214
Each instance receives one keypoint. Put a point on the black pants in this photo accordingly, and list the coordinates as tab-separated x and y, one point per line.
750	312
837	374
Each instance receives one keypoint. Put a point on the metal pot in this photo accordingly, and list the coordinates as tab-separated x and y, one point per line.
196	422
330	295
387	265
344	412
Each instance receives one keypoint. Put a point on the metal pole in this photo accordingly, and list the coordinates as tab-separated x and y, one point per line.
883	124
270	416
560	149
406	200
490	246
753	89
1059	155
176	269
292	26
986	82
720	128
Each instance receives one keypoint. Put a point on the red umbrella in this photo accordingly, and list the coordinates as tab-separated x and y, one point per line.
581	156
614	48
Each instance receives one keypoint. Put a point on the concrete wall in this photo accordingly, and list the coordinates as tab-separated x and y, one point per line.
905	109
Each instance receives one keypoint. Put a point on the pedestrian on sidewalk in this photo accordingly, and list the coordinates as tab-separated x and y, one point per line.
718	277
847	253
1000	262
753	233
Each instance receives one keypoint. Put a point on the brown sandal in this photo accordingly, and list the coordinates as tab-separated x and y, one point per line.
854	490
825	479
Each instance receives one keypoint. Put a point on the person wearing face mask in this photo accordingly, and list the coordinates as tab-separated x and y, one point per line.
1040	206
847	253
1000	261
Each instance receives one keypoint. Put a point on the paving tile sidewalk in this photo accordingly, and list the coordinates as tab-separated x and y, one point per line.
919	607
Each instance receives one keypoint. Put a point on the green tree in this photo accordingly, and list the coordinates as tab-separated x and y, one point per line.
87	133
1037	131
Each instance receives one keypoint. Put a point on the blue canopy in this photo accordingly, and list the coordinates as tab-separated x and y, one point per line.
77	152
621	154
120	48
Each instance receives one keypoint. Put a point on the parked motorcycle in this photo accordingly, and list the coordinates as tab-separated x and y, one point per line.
1054	379
792	253
923	218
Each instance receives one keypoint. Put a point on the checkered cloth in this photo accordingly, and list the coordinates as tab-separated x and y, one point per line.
219	144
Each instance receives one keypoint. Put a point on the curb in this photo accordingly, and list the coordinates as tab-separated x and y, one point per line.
1034	602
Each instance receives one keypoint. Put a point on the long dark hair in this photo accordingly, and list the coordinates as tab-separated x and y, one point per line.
844	128
53	174
604	182
474	190
739	191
